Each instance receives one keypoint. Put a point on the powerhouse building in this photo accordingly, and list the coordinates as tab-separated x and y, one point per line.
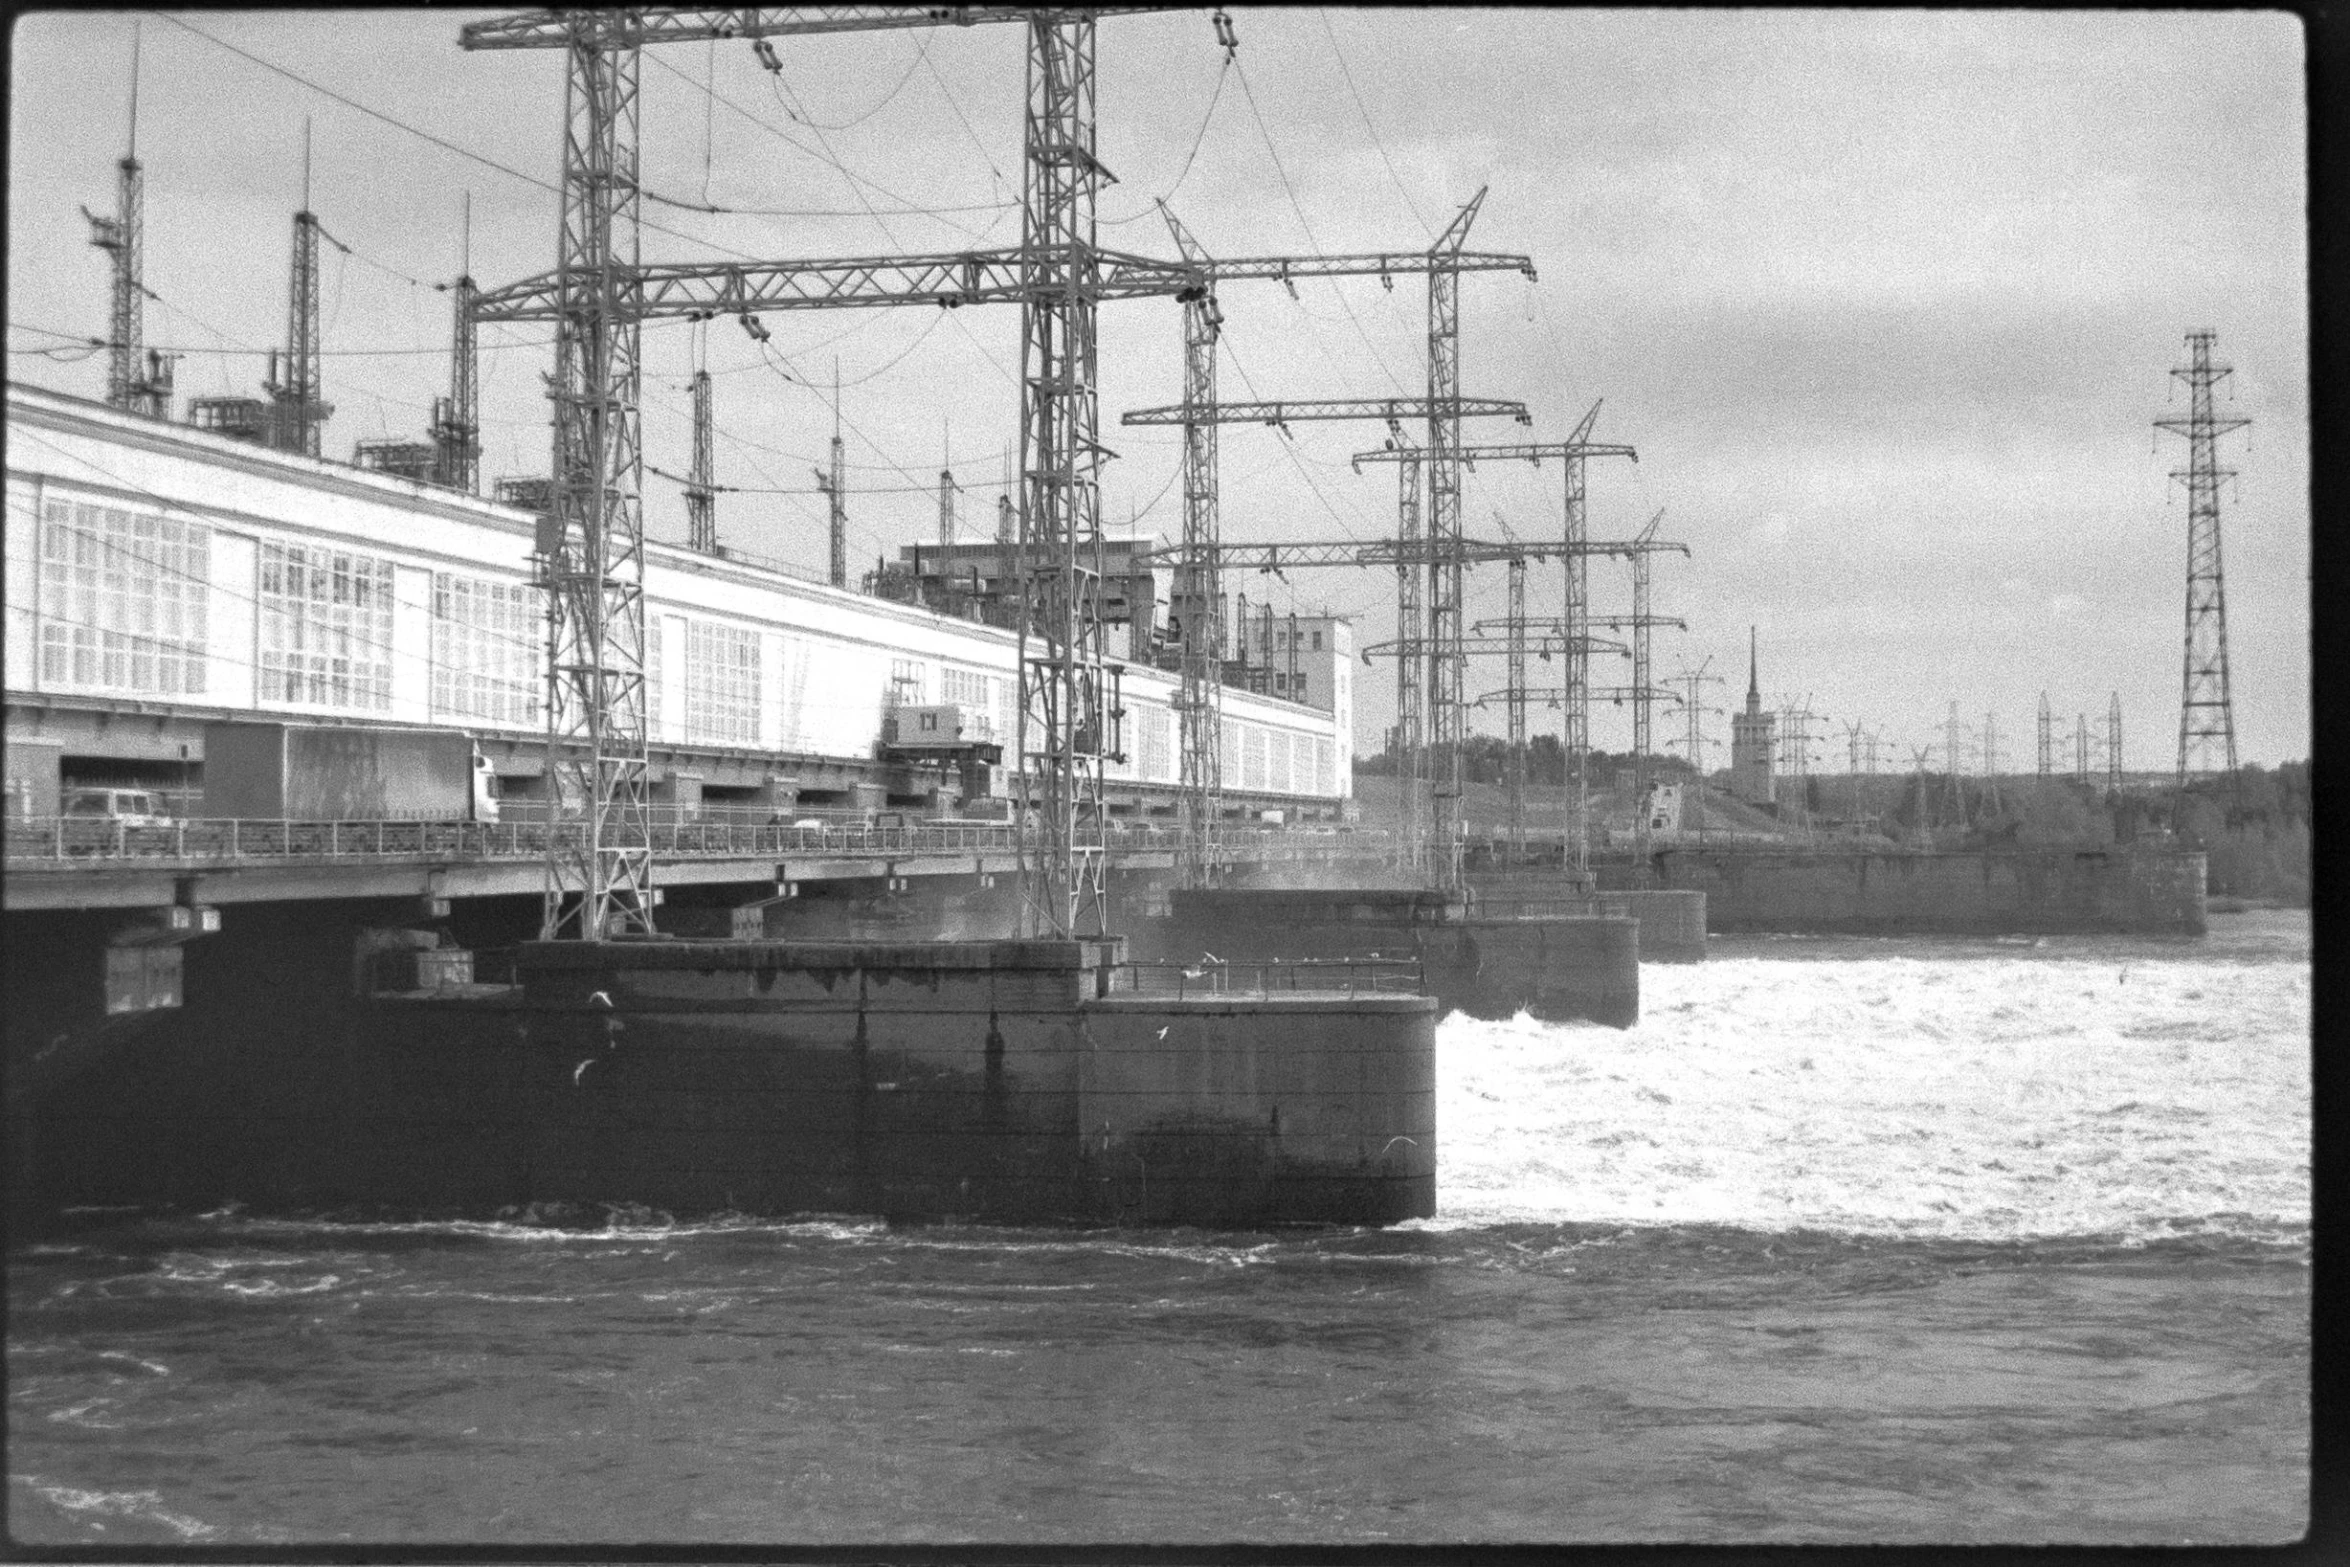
160	576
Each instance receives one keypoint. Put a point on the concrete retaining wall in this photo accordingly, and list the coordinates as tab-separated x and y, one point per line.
1672	922
2040	891
1573	968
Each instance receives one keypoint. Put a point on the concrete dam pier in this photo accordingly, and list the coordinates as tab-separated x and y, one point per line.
1012	1081
1557	967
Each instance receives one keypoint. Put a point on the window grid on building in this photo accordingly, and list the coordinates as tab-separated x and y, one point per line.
485	650
326	627
123	599
1157	748
721	684
1252	766
1325	766
905	684
967	689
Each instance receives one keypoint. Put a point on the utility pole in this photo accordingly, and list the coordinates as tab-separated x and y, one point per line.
301	414
2081	751
124	237
2207	719
456	425
701	494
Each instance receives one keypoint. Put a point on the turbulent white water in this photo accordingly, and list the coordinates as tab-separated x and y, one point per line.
2084	1088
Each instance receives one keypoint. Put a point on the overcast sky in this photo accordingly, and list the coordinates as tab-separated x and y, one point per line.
1886	301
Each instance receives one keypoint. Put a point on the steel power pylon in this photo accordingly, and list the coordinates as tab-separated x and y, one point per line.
2047	739
1576	548
835	485
298	420
1640	622
456	422
1200	411
124	237
1693	709
1197	581
1950	755
2113	746
947	490
2207	719
701	493
593	542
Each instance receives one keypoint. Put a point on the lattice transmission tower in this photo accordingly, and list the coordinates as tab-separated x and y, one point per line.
298	419
123	238
2207	721
456	420
701	491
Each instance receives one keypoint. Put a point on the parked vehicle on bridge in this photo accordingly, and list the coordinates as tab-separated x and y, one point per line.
124	807
345	772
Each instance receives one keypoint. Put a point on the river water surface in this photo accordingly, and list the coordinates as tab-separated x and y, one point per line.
1849	1240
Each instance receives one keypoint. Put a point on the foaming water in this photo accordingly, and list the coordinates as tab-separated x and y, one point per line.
2083	1087
1846	1241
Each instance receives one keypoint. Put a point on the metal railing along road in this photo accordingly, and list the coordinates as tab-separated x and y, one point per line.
1321	976
85	839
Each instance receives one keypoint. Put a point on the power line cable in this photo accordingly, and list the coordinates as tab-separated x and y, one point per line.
450	146
1340	55
1316	245
911	208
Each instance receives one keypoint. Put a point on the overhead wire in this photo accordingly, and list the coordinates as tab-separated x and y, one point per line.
822	154
446	145
1360	108
1201	136
1297	207
886	99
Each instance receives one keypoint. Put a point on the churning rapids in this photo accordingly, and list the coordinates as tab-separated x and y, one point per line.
1848	1240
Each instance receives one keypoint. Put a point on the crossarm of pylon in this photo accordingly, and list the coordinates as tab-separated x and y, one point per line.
1390	408
963	277
691	24
1372	552
1531	451
1387	264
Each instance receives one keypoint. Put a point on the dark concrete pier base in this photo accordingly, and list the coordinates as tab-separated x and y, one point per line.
1575	967
1012	1081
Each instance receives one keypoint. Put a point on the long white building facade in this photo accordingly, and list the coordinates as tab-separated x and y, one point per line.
159	577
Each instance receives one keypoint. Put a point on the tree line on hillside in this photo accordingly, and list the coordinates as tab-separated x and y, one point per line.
2253	825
